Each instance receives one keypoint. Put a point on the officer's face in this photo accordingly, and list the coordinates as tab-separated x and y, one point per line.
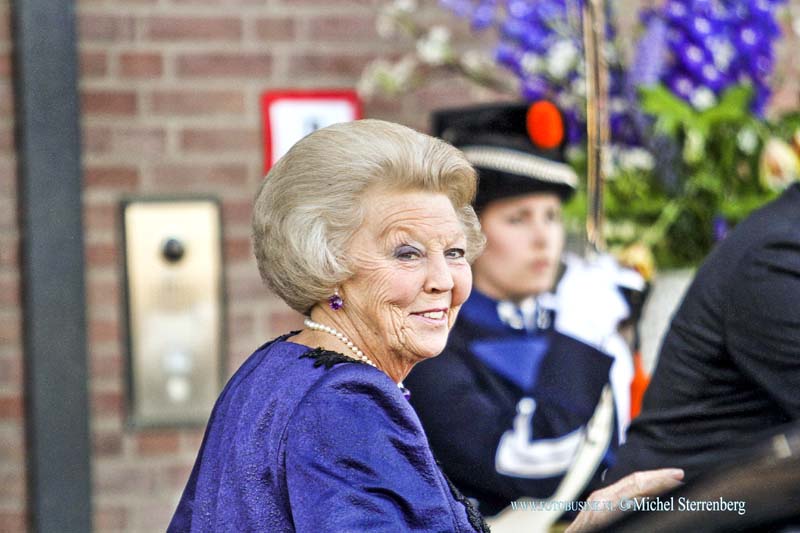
525	238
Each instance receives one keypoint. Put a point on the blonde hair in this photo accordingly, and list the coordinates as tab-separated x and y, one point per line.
310	204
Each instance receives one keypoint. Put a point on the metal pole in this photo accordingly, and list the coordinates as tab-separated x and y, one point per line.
52	267
597	129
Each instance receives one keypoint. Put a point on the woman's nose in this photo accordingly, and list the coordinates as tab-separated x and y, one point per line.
439	278
538	234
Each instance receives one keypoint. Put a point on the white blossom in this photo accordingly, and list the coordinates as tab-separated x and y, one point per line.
779	166
476	62
434	48
702	98
722	52
531	63
747	140
578	87
405	6
561	58
636	159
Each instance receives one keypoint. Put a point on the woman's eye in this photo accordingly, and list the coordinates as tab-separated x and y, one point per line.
455	253
553	215
406	253
515	219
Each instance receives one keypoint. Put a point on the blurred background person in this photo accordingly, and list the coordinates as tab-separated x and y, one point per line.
507	405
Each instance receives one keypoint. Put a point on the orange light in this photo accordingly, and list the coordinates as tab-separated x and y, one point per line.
545	125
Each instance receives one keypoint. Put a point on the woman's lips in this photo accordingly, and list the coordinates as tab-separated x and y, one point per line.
432	316
542	264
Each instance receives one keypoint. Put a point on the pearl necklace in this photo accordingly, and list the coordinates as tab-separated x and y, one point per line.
359	355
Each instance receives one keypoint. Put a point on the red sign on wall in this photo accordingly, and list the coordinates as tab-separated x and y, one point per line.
289	115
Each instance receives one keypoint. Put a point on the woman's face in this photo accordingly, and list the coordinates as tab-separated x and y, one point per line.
525	238
411	275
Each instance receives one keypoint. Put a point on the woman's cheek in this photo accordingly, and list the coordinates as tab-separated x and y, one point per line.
462	284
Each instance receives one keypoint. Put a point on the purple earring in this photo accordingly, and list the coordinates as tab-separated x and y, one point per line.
335	302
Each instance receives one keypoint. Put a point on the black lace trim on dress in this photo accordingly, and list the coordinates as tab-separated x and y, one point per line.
328	358
473	515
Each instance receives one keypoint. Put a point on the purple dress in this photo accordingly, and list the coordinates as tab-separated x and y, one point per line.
311	441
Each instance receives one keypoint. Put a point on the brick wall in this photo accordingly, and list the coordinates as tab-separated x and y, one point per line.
170	105
12	434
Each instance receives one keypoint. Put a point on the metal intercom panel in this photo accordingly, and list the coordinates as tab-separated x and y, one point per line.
175	309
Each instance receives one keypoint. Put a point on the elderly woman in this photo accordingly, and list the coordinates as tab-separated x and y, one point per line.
367	229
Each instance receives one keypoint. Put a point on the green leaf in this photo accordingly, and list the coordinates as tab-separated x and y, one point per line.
671	113
733	106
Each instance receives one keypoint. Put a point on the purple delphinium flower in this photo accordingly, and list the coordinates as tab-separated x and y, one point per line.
718	43
651	54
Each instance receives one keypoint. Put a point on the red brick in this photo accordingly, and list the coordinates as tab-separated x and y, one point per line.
100	102
6	139
225	3
5	66
157	443
141	65
107	366
327	3
5	23
158	514
9	292
110	518
221	64
100	216
10	329
198	102
193	28
237	212
93	64
106	443
6	100
101	330
124	480
12	445
316	64
201	175
221	140
13	520
8	214
238	248
276	29
102	291
106	28
9	250
385	108
344	28
139	141
111	177
106	403
10	372
176	476
280	322
8	177
246	288
12	485
241	325
11	407
101	255
96	139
